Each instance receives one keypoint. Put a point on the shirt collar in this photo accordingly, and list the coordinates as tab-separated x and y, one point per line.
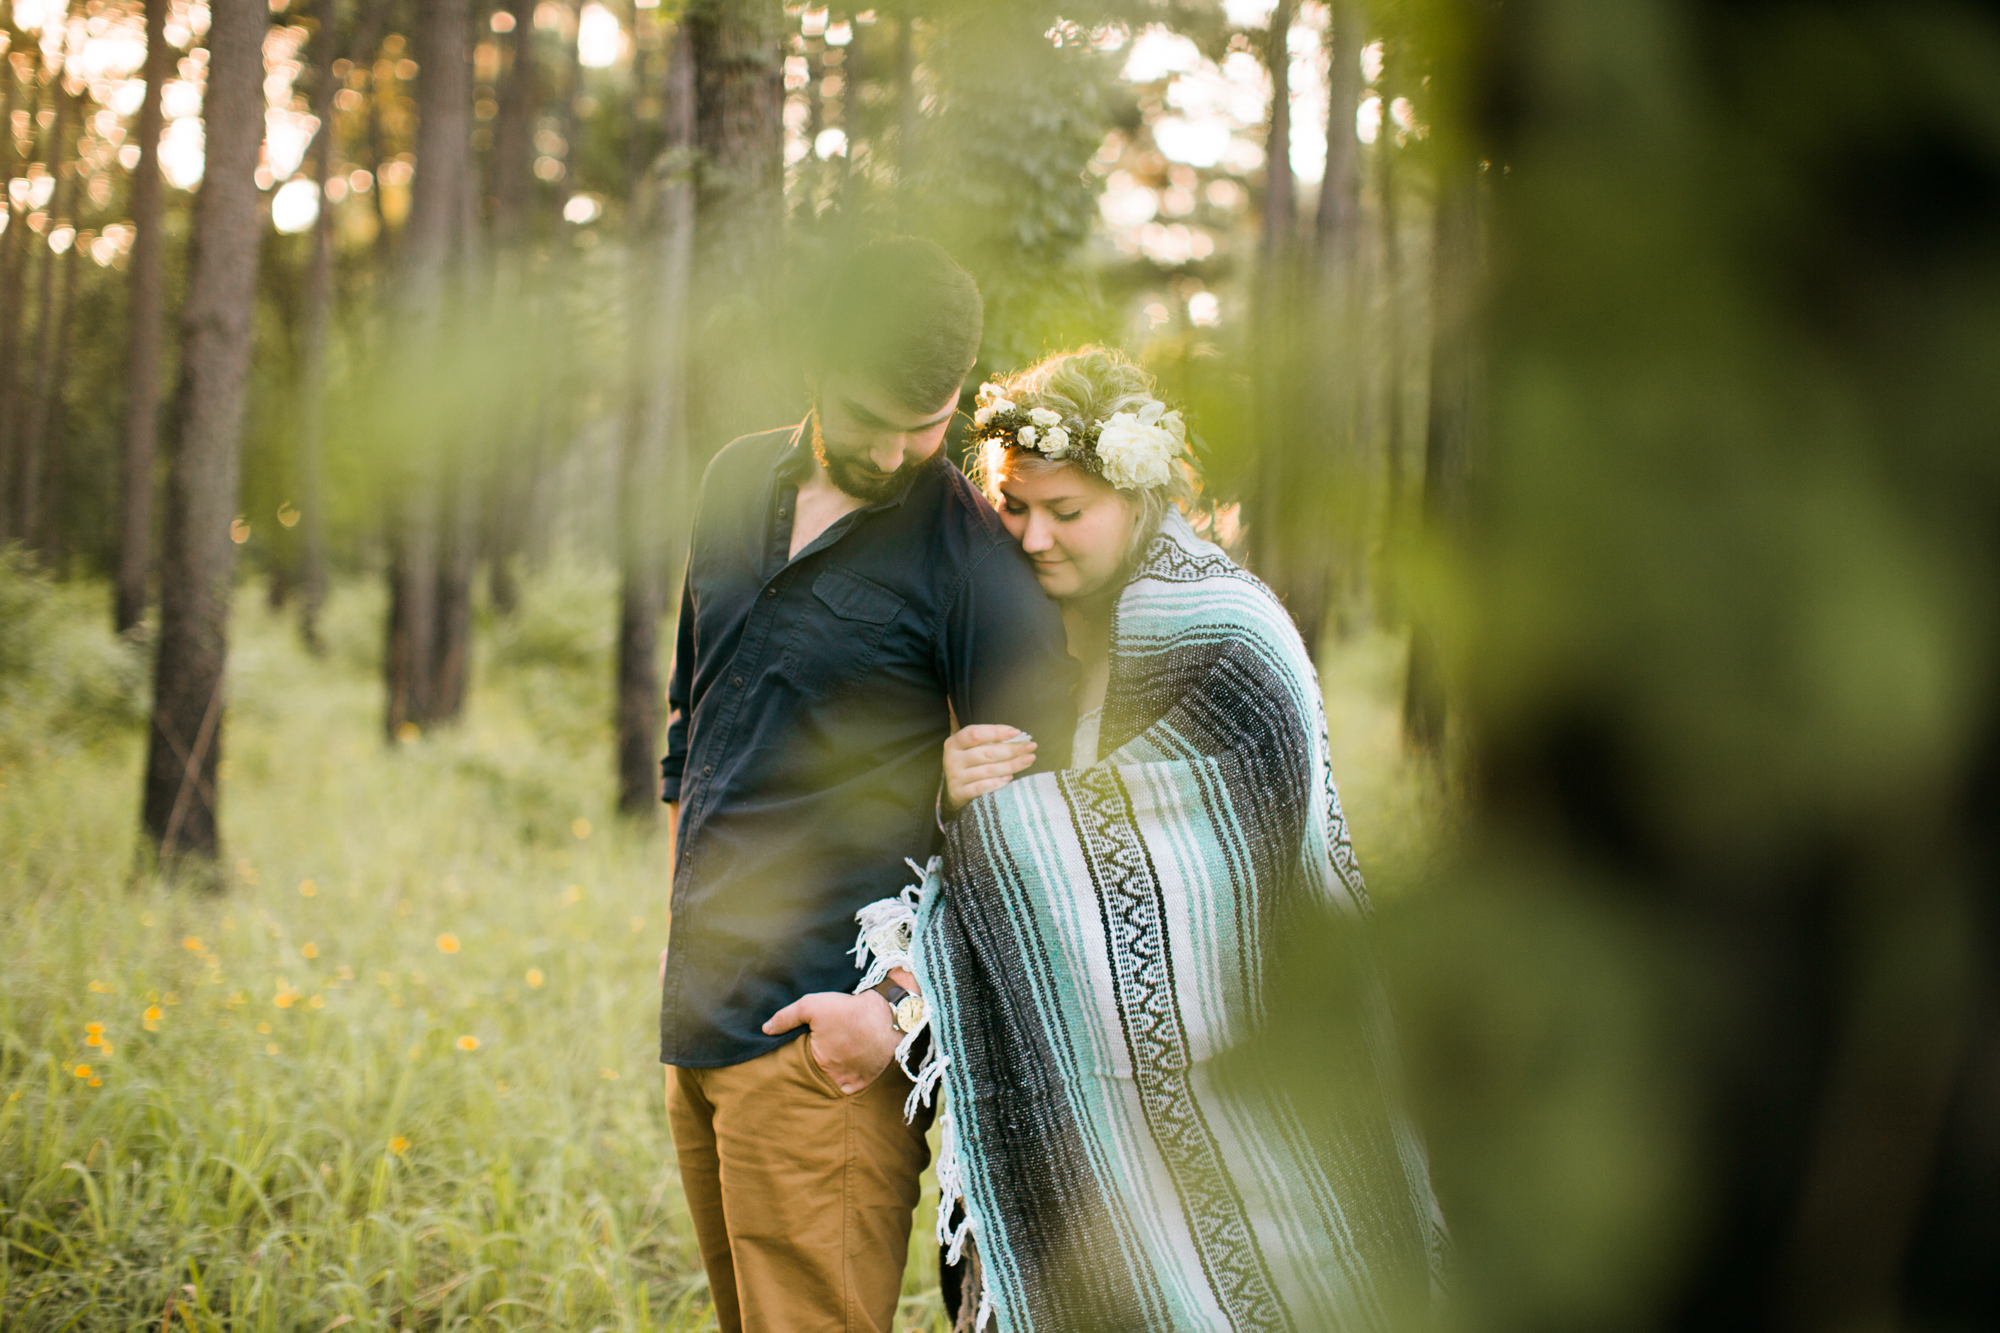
797	460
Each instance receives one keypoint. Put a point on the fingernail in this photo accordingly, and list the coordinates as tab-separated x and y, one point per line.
1024	736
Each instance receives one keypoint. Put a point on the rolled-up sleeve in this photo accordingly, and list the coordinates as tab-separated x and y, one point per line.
1006	658
680	687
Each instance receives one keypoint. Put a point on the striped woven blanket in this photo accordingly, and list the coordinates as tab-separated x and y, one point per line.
1096	954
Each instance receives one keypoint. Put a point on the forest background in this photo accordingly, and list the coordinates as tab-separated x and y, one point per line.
1605	387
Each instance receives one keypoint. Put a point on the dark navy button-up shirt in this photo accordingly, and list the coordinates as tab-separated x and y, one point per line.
812	697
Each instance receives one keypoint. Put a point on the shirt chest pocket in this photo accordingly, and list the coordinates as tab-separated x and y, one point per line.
840	631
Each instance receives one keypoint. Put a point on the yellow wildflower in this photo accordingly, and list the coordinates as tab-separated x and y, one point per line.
535	977
100	987
83	1071
271	1048
151	1018
307	888
468	1043
308	950
399	1145
580	827
192	943
94	1029
447	943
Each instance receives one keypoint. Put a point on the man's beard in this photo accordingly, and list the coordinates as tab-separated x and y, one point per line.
858	477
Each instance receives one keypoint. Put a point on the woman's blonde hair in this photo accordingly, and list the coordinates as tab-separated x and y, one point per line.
1089	383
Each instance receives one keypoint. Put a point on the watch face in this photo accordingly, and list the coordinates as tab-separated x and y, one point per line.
909	1013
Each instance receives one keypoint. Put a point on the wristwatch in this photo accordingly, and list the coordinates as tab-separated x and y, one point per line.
906	1007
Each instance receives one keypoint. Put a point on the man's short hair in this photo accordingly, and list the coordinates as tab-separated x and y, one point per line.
902	313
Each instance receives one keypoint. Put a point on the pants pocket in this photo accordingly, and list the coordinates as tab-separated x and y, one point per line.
817	1072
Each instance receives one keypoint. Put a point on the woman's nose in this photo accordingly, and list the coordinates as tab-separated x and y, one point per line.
1037	537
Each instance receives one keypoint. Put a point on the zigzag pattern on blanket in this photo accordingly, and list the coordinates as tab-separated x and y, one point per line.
1102	941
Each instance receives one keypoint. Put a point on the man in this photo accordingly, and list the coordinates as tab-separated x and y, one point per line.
848	591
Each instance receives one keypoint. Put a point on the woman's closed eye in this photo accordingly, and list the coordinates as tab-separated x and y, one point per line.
1057	514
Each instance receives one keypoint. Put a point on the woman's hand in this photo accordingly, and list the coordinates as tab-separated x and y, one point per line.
982	759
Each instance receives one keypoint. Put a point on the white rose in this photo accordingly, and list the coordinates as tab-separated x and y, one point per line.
1172	424
988	392
1135	454
1056	442
991	410
1151	412
1044	418
1026	436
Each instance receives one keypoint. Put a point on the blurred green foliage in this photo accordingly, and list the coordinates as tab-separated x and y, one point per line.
65	680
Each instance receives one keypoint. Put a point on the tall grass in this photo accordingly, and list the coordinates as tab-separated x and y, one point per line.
402	1071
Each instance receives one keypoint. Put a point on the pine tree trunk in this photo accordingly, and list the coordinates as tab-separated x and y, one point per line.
1395	441
147	323
739	212
1450	441
428	244
197	558
318	313
48	539
466	454
513	194
1286	532
1335	495
13	261
652	473
34	443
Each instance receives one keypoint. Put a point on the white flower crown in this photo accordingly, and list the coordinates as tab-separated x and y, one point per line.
1132	450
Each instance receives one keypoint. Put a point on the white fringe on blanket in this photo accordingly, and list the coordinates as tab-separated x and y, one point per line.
888	934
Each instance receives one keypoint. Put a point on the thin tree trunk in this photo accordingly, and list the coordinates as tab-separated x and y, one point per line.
148	329
513	194
1280	186
443	156
13	256
1395	443
48	539
318	312
197	558
369	51
464	475
1334	530
1286	532
651	468
33	441
739	108
513	138
1451	439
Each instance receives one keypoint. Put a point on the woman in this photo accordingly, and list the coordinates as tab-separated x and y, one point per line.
1097	950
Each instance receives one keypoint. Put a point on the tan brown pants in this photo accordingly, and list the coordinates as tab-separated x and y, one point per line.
801	1195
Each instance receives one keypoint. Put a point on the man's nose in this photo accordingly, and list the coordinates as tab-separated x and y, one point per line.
888	455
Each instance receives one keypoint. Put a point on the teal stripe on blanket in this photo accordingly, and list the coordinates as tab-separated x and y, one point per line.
1094	951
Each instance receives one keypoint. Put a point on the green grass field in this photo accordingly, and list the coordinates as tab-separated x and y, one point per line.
402	1072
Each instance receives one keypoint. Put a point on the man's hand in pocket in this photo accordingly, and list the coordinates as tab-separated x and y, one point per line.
854	1037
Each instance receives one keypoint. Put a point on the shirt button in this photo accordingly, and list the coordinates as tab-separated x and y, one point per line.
770	592
737	681
707	769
